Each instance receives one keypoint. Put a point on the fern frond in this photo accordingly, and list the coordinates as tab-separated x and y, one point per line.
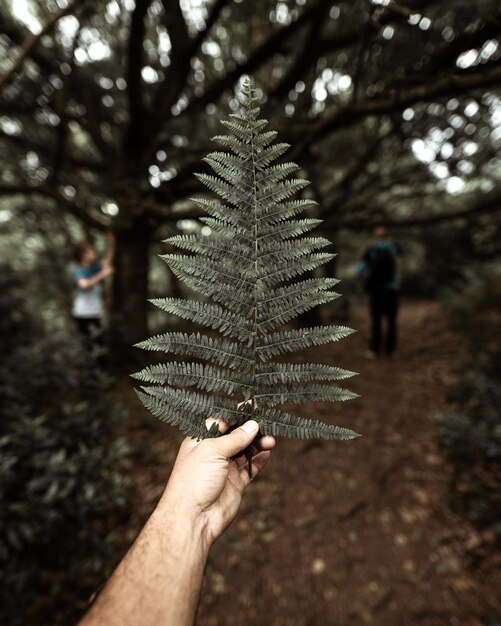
289	308
220	211
227	141
288	230
267	155
276	373
204	377
293	340
218	350
287	251
212	248
234	296
225	190
247	270
275	214
280	424
180	265
304	289
312	393
271	195
189	424
210	315
295	267
241	130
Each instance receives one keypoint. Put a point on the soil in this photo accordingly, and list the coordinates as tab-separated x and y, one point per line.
358	532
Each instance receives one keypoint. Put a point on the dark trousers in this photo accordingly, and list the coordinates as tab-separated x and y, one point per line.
89	327
383	304
91	331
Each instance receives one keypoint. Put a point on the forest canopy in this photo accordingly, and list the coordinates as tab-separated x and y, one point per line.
393	110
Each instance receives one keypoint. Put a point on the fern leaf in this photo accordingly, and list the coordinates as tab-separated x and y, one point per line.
312	393
274	214
222	212
270	375
206	314
181	265
210	247
246	273
291	308
287	230
296	267
205	377
293	340
219	351
280	424
227	141
234	296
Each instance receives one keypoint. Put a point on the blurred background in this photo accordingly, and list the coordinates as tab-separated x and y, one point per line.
393	111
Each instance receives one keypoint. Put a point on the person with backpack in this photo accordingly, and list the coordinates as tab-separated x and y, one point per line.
378	267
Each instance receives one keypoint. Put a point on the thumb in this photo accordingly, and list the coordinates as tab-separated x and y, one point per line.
236	441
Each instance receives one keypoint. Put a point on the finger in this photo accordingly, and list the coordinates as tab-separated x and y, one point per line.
258	462
237	440
266	442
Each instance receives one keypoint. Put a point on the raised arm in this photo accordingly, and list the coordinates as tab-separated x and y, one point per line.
110	253
87	283
158	582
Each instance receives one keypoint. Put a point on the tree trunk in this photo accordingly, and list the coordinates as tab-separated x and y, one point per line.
129	315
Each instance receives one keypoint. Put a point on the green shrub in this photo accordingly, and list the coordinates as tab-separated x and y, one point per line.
471	433
60	485
471	437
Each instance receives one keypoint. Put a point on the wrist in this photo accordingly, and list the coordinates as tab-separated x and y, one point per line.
186	524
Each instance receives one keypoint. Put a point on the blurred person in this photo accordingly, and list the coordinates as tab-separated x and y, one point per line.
378	267
158	581
89	272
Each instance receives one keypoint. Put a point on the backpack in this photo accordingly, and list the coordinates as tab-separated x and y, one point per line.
381	268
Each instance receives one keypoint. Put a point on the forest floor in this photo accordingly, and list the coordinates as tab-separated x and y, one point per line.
341	533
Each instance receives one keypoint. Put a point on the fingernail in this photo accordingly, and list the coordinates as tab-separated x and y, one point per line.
249	427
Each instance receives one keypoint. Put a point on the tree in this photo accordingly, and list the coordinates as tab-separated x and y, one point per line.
107	107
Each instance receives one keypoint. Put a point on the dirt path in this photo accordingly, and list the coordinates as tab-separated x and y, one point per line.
353	532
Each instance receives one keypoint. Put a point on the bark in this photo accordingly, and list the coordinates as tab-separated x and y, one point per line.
129	313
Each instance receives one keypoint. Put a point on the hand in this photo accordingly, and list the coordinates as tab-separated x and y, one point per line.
107	270
206	487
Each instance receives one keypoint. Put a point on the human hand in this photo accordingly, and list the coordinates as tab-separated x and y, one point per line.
107	270
206	486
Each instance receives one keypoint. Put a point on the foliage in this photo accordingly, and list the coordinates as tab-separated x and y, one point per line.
471	432
59	459
246	268
392	109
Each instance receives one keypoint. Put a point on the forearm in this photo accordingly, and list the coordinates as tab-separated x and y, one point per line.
87	283
110	255
158	582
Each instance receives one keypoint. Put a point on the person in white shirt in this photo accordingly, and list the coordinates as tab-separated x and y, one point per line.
88	274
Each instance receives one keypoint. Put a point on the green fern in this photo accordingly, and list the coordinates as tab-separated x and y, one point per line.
246	269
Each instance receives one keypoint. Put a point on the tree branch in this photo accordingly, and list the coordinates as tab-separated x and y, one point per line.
46	191
273	44
305	57
182	51
488	204
211	20
398	99
32	41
